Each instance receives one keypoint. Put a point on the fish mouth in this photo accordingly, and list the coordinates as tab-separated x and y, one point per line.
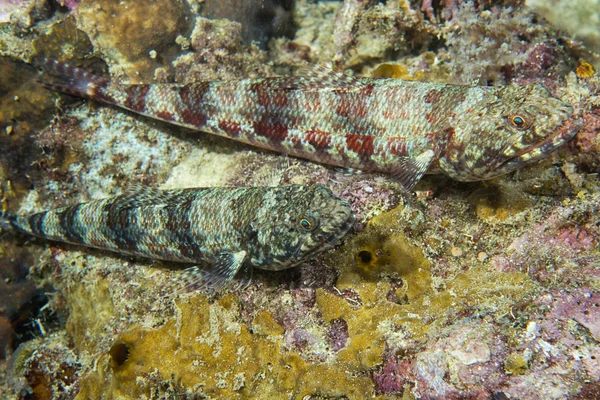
543	147
335	236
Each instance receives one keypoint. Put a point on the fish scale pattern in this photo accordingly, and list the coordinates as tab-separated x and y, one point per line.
269	228
404	128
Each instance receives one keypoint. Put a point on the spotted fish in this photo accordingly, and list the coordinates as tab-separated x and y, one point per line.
405	128
232	229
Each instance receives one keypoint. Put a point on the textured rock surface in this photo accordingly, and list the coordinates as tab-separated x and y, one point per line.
580	19
478	290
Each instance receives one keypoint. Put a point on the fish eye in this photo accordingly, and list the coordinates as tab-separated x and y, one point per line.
518	122
305	224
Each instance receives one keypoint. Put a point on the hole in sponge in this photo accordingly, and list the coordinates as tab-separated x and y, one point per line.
365	256
119	354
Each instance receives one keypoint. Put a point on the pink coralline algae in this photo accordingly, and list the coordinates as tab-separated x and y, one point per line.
500	46
70	4
582	306
302	338
540	65
395	375
368	197
560	342
562	245
466	363
338	334
447	12
585	147
584	94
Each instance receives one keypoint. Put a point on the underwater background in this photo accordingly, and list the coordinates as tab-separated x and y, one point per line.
483	290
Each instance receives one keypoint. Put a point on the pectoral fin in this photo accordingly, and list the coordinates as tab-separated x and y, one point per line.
409	171
225	267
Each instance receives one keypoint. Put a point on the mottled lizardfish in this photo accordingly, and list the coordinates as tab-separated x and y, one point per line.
405	128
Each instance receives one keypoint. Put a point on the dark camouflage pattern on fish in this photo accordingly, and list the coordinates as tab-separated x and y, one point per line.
400	127
271	228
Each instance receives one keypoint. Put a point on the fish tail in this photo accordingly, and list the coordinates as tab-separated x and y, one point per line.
6	221
67	78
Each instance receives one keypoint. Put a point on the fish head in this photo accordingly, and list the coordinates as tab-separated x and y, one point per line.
501	129
295	223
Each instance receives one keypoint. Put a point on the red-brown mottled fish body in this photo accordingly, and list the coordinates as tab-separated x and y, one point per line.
388	125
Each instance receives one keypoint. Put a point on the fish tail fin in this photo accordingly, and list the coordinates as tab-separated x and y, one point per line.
67	78
6	221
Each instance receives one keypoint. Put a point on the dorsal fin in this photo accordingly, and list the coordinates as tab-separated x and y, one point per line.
136	187
322	77
136	194
272	175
